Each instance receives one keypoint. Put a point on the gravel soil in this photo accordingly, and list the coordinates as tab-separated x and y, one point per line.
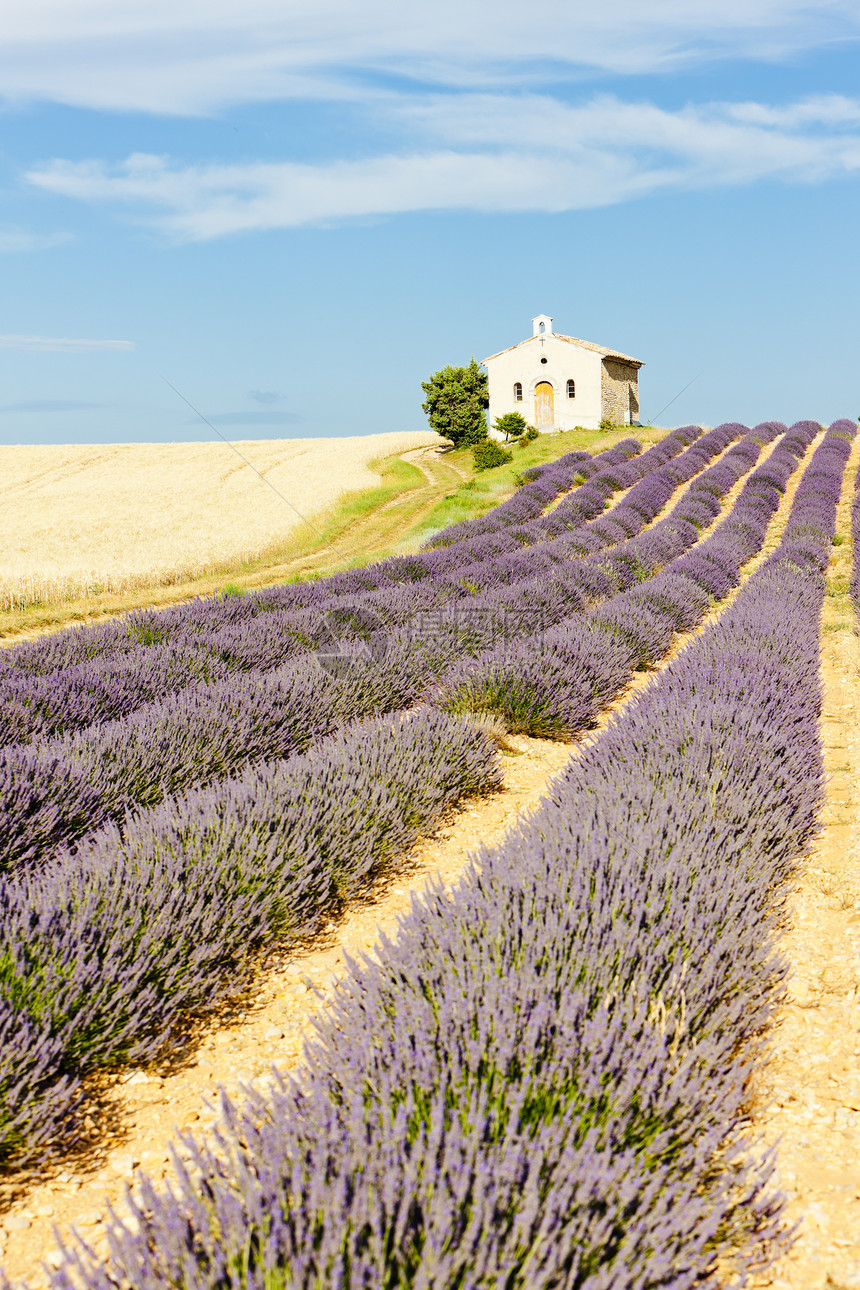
809	1095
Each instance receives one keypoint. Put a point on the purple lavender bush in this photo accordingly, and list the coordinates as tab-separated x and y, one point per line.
532	684
191	738
75	678
107	949
544	1079
211	729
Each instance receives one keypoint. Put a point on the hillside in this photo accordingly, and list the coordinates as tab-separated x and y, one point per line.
94	530
89	519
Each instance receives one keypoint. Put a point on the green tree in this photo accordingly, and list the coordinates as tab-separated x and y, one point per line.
455	399
511	425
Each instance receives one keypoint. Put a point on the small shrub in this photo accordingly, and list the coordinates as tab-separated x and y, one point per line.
529	435
511	425
606	424
487	455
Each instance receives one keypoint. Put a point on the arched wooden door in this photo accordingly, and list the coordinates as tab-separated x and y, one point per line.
544	406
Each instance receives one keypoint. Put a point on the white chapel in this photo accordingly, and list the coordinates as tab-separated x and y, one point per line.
558	382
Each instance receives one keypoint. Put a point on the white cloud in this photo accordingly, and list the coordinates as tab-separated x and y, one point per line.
193	56
64	343
486	153
821	109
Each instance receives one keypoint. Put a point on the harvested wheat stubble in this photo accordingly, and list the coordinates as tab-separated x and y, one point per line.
118	516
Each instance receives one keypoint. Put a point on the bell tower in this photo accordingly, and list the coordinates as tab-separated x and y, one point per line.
542	325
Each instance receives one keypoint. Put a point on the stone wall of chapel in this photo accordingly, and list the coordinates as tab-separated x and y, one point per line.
619	394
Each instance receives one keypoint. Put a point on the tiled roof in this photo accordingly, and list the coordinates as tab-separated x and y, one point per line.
572	340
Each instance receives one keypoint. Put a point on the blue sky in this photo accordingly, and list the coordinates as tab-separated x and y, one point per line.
295	212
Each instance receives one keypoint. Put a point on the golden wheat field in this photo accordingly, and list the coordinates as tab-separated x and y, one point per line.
76	519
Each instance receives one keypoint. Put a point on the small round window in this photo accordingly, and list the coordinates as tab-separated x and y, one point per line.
544	360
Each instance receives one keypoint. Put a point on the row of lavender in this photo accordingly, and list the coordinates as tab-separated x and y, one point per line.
563	532
544	1079
45	691
145	629
87	675
545	483
514	591
556	682
55	791
108	949
100	965
523	514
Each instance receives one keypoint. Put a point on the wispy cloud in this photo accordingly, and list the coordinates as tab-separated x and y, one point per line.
488	153
185	57
50	405
264	396
65	343
819	109
16	240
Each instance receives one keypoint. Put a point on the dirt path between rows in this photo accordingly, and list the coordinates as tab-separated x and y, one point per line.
810	1091
149	1108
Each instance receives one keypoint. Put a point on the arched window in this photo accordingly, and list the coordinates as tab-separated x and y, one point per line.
571	390
542	328
518	392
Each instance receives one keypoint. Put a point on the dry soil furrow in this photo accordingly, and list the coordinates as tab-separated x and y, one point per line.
149	1109
810	1090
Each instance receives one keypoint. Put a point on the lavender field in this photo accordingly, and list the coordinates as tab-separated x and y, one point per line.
544	1079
